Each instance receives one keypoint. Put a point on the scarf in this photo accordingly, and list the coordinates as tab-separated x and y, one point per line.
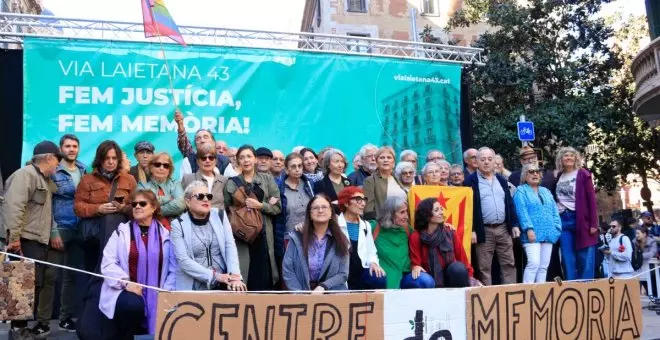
107	175
440	244
147	273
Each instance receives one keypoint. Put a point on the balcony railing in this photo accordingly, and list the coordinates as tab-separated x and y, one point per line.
646	70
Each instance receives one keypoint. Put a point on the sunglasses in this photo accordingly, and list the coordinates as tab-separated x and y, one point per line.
533	172
161	165
360	199
140	203
206	158
200	196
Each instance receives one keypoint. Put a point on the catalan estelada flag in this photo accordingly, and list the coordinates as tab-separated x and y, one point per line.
457	204
158	21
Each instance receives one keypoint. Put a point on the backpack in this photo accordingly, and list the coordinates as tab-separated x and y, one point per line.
246	223
637	255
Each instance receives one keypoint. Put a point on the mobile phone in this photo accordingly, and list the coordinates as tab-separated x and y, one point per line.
119	199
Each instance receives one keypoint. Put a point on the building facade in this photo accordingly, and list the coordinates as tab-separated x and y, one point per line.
386	19
646	69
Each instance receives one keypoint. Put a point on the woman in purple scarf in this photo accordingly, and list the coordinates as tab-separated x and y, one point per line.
139	251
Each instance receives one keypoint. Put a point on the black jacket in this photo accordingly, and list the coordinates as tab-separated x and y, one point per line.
324	186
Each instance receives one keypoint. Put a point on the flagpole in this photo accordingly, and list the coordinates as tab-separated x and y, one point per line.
162	49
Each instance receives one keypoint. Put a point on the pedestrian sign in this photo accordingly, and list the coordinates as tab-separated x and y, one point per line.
526	131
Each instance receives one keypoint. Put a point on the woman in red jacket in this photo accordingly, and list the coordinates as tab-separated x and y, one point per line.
436	253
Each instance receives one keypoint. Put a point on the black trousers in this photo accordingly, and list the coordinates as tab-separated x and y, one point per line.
129	315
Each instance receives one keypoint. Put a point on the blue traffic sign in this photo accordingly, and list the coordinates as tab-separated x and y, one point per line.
526	131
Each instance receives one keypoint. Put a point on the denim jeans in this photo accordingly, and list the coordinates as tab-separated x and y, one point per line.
577	264
423	281
369	282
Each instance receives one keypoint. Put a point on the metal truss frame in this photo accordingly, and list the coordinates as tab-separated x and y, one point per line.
14	27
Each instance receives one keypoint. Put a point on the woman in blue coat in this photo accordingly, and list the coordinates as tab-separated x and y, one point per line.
539	220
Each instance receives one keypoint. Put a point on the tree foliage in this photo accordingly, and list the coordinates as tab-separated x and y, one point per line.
553	62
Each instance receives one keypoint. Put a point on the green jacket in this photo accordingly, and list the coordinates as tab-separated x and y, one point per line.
392	246
269	211
28	212
172	204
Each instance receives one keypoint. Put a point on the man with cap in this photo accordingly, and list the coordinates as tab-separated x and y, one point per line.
264	159
143	152
649	224
528	156
28	219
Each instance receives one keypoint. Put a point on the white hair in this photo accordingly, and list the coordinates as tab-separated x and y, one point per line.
427	165
365	148
484	149
297	149
386	211
191	187
403	166
432	151
406	153
443	162
466	153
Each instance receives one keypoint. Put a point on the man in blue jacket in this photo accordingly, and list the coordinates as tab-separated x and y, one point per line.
494	220
66	178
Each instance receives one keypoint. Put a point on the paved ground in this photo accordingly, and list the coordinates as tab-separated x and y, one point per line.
651	329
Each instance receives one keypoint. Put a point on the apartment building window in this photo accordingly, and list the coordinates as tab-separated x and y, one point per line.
359	45
357	6
430	7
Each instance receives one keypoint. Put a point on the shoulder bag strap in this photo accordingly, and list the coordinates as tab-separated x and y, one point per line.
113	189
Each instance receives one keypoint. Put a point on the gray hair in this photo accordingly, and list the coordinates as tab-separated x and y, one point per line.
406	153
562	152
297	149
525	169
387	210
456	166
427	165
205	130
434	150
191	187
38	159
364	148
466	153
484	149
328	155
403	166
207	149
443	162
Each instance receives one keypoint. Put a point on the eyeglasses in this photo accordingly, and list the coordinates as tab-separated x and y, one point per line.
407	173
295	166
200	196
161	165
206	158
140	203
320	208
360	199
456	173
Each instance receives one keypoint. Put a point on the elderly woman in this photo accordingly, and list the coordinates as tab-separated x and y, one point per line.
333	180
204	245
206	162
100	198
456	175
257	259
295	192
576	201
391	238
365	271
382	183
311	167
436	173
539	221
139	252
437	255
167	189
405	173
317	258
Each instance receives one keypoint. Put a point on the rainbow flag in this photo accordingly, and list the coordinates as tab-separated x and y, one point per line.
159	22
457	204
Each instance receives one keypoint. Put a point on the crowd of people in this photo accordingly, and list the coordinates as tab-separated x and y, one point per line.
251	219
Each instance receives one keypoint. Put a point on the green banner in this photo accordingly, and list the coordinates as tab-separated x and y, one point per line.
102	90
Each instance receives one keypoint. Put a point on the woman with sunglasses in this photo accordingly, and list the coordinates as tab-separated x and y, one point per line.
316	258
207	173
139	251
204	245
257	259
96	202
437	256
539	221
365	271
167	189
295	192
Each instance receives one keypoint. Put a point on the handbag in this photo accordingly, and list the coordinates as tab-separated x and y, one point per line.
246	223
90	228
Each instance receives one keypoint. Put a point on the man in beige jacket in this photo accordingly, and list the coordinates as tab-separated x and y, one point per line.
28	219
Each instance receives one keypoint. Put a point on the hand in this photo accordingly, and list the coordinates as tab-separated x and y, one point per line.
223	278
416	271
475	283
107	208
318	290
57	243
15	247
237	286
119	206
593	231
375	269
450	226
531	236
133	288
298	227
474	237
273	200
253	204
178	117
515	231
607	251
